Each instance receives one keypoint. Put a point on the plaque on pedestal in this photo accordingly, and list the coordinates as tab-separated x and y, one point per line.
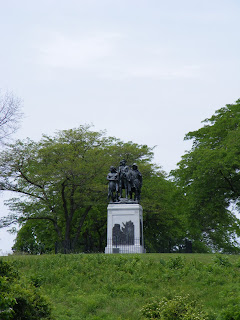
125	228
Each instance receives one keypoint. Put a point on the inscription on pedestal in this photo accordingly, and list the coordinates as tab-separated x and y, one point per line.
124	235
125	228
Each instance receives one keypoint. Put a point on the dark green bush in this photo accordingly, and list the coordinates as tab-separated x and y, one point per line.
7	301
19	300
222	261
232	312
176	263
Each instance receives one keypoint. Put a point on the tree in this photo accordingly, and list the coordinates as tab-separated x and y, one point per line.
209	175
62	179
62	188
10	114
164	219
164	223
35	237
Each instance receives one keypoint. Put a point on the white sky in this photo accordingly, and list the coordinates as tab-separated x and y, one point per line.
147	71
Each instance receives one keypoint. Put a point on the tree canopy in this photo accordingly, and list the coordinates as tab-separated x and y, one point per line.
209	175
61	189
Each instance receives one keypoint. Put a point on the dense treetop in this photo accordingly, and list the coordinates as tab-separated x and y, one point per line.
61	189
209	175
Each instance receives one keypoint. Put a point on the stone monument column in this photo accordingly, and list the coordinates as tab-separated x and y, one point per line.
125	228
125	216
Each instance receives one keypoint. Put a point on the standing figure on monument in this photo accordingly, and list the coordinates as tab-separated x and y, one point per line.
125	216
135	182
112	177
123	181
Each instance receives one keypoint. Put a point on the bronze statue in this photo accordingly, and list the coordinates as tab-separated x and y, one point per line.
113	179
123	181
135	182
129	179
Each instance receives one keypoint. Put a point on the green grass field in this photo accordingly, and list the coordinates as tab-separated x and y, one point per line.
99	286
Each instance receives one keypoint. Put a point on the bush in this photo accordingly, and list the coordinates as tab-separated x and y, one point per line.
222	261
176	263
232	312
19	300
7	302
177	308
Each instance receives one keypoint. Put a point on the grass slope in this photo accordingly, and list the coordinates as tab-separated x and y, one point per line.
99	286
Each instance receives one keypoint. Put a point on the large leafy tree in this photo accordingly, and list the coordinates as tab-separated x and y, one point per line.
61	181
61	192
209	175
164	222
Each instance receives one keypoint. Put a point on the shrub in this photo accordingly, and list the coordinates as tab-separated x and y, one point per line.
177	308
7	302
19	300
222	261
232	312
176	263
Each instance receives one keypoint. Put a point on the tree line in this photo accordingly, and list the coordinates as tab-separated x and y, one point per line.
60	189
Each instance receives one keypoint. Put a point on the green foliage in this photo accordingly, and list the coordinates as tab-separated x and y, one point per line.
176	263
18	299
209	177
176	308
61	180
34	237
231	312
164	217
100	286
7	271
7	301
30	305
62	185
222	261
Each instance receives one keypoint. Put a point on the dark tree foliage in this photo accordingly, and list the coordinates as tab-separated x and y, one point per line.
164	220
62	185
61	189
209	176
19	300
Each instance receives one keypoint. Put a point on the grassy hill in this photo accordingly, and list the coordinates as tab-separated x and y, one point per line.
99	286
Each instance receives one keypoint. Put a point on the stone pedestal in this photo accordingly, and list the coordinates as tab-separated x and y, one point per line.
125	228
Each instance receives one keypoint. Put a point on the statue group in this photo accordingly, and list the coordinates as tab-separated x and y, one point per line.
124	178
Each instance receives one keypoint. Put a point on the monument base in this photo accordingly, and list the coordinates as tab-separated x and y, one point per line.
124	249
125	228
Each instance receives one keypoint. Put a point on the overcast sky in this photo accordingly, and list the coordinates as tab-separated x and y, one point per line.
146	71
